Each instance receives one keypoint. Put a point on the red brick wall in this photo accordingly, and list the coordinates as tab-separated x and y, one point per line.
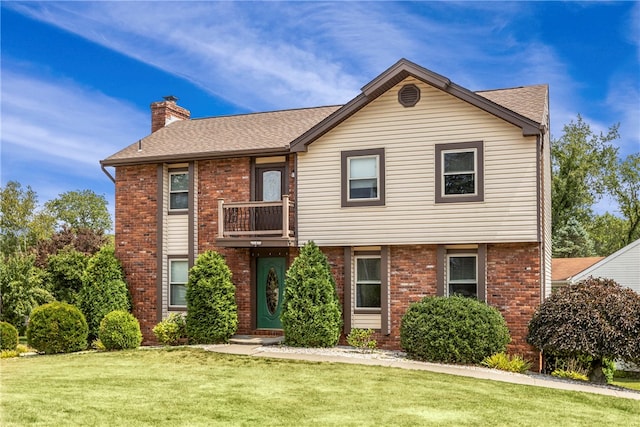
136	240
513	287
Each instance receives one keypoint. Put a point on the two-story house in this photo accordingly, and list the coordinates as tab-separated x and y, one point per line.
415	187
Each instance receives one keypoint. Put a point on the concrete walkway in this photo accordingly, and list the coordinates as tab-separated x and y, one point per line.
380	358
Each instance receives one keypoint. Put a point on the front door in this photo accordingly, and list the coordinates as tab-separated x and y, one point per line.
270	273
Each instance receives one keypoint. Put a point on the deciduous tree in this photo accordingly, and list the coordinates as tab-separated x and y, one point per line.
81	209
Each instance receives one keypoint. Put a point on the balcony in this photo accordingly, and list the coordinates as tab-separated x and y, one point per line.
255	224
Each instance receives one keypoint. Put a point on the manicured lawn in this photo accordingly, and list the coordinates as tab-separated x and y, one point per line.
632	383
193	387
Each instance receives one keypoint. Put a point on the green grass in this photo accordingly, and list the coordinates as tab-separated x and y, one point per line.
192	387
632	383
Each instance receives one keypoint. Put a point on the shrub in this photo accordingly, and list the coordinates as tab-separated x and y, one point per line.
57	327
103	289
311	315
171	330
22	288
595	317
6	354
212	313
8	336
508	363
119	330
65	270
452	329
361	338
572	375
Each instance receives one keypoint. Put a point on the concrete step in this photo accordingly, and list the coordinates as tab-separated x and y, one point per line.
256	340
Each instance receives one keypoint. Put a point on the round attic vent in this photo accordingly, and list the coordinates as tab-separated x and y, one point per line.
409	95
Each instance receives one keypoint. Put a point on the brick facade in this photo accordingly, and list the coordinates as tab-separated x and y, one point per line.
512	270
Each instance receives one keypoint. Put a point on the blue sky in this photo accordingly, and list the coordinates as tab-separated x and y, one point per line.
77	78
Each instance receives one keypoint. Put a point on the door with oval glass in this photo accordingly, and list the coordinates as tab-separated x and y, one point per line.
270	273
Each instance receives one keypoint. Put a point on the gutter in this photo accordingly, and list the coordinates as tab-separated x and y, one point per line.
106	172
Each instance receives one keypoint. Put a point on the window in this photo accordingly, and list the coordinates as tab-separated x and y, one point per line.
178	275
368	280
178	191
462	275
363	177
459	172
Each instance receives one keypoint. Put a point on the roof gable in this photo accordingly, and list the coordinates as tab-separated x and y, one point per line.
588	271
403	69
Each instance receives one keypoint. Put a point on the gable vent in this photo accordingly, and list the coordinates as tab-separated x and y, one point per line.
409	95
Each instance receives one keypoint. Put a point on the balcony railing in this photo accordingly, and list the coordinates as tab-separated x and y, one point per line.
255	219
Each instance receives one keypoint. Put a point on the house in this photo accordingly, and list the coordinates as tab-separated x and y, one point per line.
564	269
622	266
415	187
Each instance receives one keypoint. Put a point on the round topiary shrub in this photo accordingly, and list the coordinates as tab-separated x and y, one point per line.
119	330
8	336
212	313
453	330
311	315
57	327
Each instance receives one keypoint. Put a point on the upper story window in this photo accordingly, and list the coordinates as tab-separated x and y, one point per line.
462	275
459	172
368	280
178	191
363	177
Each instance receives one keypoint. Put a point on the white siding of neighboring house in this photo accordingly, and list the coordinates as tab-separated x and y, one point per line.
622	266
410	215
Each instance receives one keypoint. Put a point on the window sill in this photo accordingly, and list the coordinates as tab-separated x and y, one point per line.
367	311
177	308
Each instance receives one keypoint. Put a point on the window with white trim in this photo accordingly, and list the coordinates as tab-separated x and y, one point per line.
178	277
178	191
368	281
462	275
363	177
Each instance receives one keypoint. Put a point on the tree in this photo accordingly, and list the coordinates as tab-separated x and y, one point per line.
311	315
606	231
83	240
212	313
572	241
22	289
81	209
624	185
595	317
580	161
21	224
64	274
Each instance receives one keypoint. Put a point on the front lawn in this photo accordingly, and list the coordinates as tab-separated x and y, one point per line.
192	387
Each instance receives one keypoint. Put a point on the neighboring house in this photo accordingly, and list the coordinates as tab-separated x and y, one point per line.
564	269
415	187
622	266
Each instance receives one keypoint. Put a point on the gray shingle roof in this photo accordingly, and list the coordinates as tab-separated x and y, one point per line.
272	132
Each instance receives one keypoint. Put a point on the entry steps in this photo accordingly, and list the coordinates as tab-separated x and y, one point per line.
256	340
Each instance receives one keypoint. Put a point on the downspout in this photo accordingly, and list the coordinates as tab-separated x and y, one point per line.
106	172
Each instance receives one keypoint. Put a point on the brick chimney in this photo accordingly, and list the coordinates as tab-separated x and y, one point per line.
167	111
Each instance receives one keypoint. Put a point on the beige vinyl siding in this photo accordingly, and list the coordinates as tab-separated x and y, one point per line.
366	321
410	214
177	235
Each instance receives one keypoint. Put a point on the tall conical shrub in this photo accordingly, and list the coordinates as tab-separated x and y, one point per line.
103	289
212	312
311	315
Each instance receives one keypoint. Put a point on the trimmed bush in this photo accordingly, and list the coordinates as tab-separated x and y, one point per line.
572	375
119	330
171	330
311	315
103	289
596	317
453	330
57	327
212	313
8	336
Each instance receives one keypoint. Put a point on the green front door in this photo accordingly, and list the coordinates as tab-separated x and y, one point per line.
270	291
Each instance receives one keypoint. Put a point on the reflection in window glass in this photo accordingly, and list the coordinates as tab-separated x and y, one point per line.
178	276
178	190
459	172
368	282
363	177
462	275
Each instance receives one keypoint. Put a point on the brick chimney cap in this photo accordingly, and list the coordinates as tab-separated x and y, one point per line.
170	98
